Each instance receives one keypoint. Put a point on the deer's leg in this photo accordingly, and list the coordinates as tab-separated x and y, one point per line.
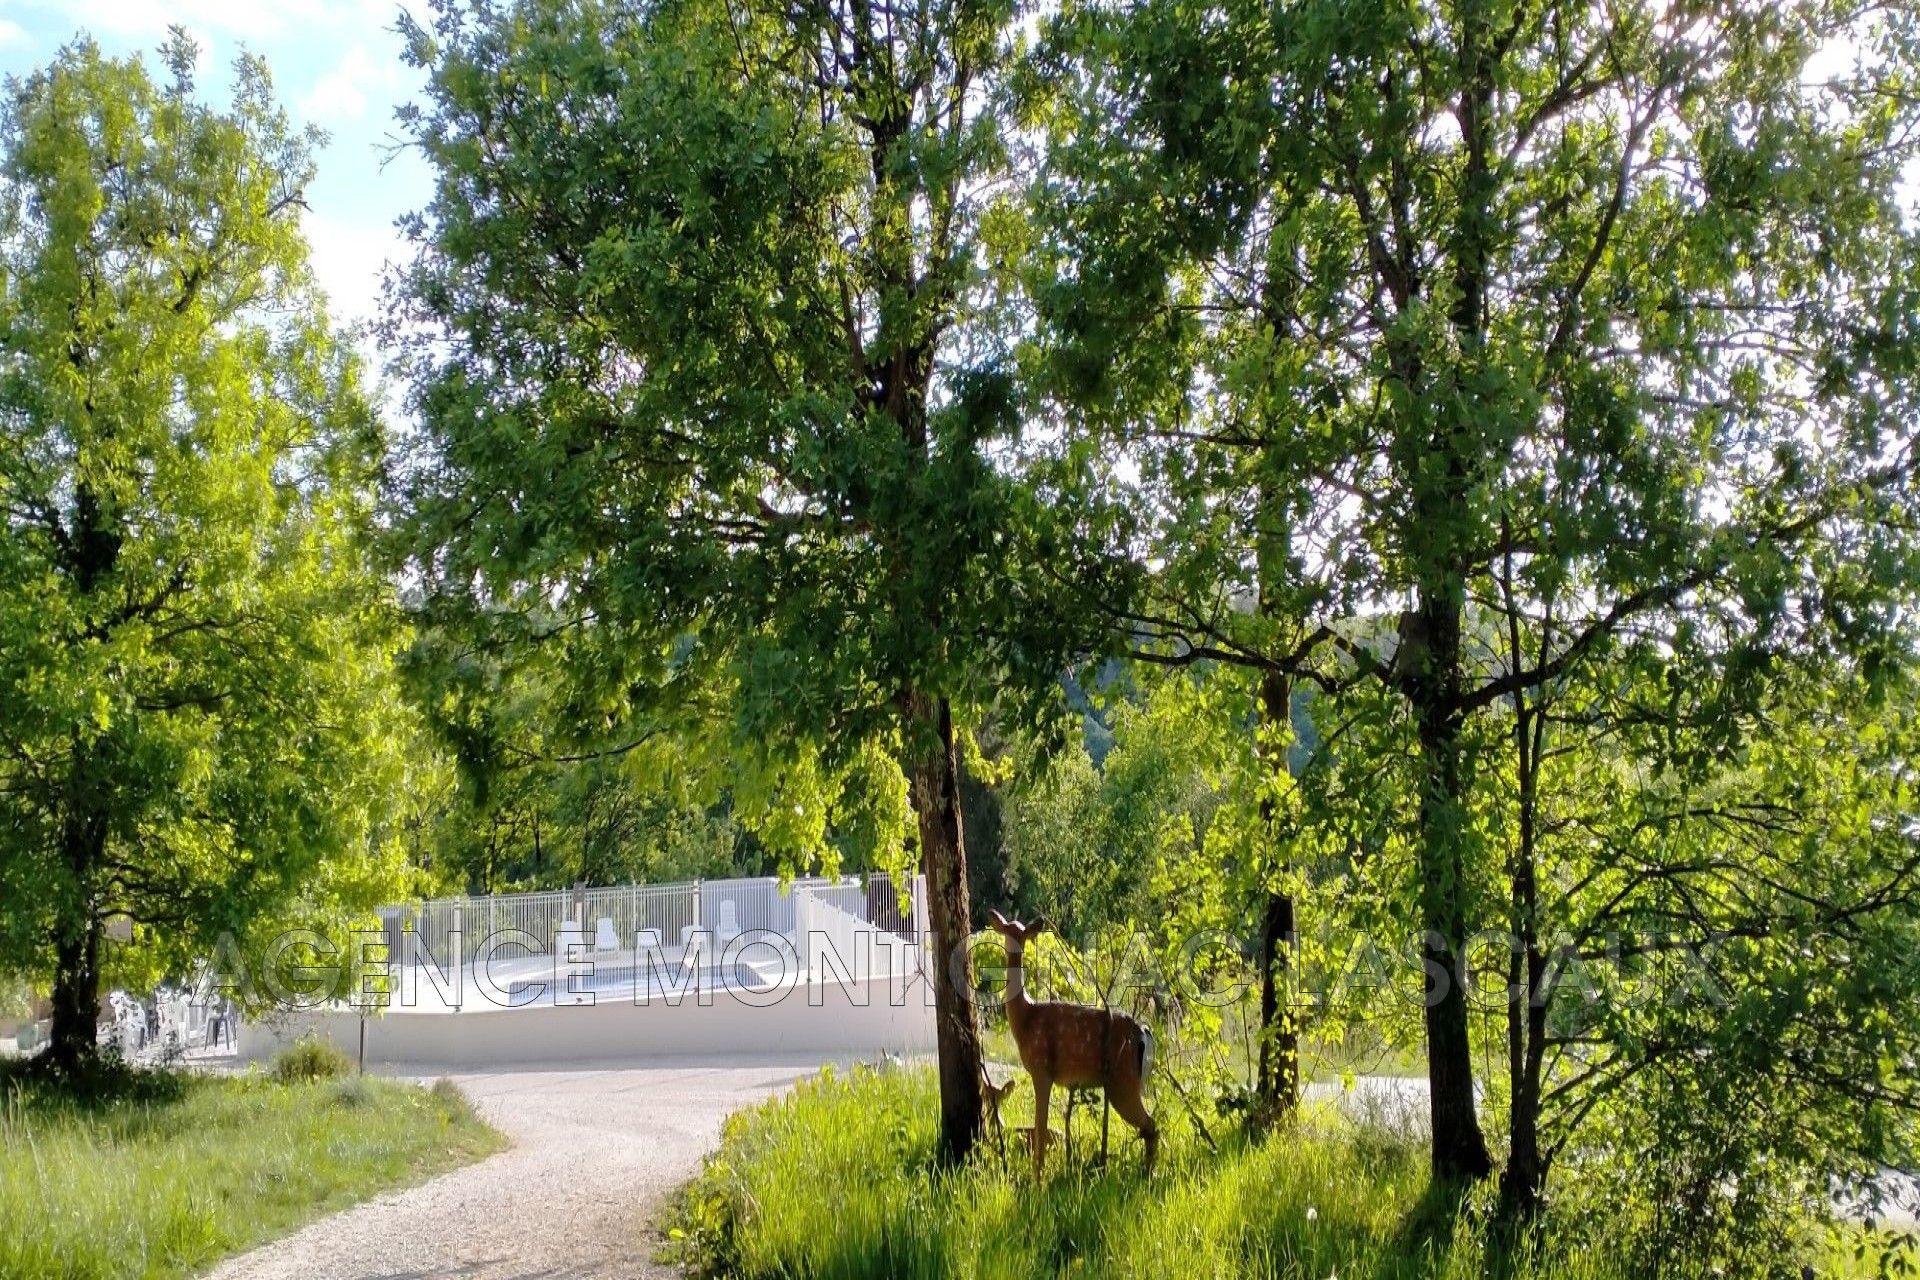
1106	1106
1042	1097
1073	1096
1126	1100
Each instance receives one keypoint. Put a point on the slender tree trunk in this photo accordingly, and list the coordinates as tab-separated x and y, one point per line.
1279	1094
1521	1181
935	781
1278	1087
1459	1150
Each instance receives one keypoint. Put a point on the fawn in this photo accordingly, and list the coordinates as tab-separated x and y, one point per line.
996	1094
1075	1046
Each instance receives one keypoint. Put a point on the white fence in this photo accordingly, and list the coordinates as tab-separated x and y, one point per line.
837	910
851	977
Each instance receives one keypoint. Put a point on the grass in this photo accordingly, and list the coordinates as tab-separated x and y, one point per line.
1322	1060
164	1173
837	1181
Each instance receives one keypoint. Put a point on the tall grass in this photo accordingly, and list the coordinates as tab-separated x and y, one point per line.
838	1182
167	1172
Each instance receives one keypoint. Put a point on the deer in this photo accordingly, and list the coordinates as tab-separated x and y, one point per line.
994	1095
1075	1046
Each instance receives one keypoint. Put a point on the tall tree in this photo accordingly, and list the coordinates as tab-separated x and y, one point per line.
197	716
1623	290
710	356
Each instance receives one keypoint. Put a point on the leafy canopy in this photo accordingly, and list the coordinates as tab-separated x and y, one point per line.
198	722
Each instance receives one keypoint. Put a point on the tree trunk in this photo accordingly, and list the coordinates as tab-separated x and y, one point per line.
1278	1087
74	1041
935	780
1432	652
1521	1181
1526	1172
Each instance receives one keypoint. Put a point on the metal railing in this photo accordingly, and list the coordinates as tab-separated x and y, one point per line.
726	907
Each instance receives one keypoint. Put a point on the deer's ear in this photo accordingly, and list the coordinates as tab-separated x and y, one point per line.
999	921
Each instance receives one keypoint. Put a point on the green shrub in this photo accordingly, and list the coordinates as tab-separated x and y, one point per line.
16	997
308	1059
453	1103
353	1092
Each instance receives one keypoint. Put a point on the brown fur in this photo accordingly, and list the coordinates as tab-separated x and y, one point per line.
1073	1045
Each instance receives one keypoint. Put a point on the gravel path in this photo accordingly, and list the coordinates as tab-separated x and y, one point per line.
594	1153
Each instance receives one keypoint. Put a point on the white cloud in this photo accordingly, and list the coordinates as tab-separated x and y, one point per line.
249	21
341	94
11	33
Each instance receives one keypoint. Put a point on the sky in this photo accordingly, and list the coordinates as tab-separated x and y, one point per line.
335	63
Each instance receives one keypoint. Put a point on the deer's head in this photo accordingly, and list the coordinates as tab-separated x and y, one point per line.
1017	934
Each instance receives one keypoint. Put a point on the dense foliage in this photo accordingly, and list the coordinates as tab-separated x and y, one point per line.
199	721
1535	382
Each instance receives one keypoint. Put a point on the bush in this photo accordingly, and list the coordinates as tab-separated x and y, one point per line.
353	1093
106	1082
308	1059
453	1103
16	997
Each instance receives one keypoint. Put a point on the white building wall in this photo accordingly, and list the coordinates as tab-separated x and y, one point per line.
871	1016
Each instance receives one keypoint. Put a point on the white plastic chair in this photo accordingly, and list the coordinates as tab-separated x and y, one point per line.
129	1023
696	945
570	935
729	923
172	1028
604	938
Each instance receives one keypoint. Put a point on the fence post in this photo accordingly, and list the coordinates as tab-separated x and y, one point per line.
924	935
803	929
459	958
